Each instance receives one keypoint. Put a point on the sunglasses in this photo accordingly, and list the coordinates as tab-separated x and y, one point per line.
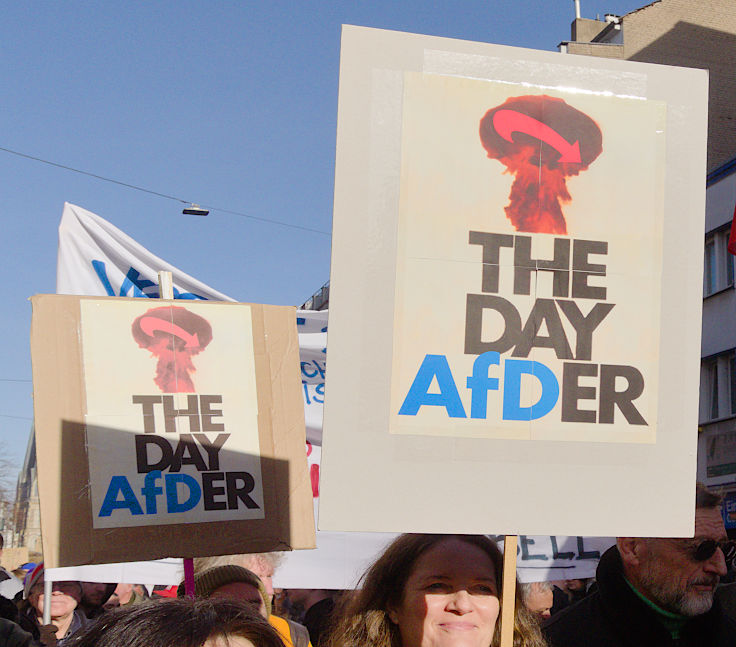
707	548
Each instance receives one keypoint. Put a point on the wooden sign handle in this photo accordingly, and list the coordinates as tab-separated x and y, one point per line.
509	590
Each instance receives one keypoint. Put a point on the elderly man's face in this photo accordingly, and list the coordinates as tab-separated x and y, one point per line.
671	577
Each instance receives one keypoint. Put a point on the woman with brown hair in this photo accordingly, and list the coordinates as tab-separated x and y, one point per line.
432	591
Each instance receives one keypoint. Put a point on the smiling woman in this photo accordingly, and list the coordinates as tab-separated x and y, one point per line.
432	591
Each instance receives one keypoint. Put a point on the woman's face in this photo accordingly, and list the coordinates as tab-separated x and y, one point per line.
228	641
450	598
65	597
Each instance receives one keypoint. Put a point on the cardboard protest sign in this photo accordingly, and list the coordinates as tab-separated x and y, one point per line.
156	420
527	229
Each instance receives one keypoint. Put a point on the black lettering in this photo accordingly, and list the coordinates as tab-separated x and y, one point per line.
572	392
583	269
524	265
171	413
147	402
584	325
205	406
624	400
209	491
556	554
239	491
525	542
491	243
475	305
212	448
583	554
143	461
187	453
543	311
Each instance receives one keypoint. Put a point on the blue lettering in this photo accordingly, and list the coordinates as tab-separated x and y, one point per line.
433	366
120	485
479	383
305	372
150	490
513	370
172	493
101	271
133	281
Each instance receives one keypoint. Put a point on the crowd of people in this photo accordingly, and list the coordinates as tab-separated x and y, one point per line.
423	591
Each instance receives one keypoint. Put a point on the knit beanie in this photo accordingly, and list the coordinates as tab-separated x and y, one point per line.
206	582
33	578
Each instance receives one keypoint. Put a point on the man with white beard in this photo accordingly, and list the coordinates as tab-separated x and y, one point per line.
656	591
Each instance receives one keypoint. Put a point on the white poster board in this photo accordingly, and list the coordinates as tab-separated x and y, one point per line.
527	229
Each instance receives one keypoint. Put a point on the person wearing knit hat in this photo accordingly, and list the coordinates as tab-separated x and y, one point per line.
262	565
233	582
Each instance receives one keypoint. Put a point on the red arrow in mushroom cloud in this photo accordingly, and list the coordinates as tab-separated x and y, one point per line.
174	335
542	141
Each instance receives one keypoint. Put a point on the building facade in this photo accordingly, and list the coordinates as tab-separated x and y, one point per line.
27	511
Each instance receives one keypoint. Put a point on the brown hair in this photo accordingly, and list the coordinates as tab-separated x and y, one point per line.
178	622
363	616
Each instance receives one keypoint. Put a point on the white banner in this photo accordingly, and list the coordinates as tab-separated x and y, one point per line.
96	258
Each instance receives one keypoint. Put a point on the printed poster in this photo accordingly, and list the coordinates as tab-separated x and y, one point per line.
521	269
172	413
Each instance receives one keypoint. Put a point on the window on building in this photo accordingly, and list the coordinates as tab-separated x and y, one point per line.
713	390
718	386
718	272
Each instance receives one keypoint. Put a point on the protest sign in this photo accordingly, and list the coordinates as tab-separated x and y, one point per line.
531	362
154	421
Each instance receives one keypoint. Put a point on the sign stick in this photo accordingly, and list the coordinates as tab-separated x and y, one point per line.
165	285
48	586
166	291
508	599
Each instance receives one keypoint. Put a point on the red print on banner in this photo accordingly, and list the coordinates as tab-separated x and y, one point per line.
542	141
174	335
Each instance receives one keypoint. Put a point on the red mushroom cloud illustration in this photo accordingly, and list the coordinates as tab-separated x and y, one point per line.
174	335
542	141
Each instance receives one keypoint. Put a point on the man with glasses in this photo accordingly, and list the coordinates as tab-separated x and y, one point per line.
656	591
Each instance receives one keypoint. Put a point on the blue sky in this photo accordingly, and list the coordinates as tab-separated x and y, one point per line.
228	104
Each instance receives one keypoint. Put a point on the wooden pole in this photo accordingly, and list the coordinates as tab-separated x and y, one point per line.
509	590
165	285
166	291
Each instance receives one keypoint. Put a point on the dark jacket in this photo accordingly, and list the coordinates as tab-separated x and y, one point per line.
614	616
29	622
11	635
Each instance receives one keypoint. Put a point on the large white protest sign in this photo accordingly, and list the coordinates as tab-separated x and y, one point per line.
531	360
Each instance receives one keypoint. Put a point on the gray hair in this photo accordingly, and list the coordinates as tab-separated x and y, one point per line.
243	559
